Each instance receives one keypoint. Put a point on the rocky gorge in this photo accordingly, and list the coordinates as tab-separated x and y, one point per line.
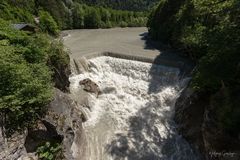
69	118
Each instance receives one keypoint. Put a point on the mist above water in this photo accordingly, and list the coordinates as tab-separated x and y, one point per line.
132	118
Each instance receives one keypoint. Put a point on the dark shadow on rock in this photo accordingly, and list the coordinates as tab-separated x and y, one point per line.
39	136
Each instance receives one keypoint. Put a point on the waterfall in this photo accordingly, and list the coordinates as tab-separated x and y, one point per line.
132	119
79	66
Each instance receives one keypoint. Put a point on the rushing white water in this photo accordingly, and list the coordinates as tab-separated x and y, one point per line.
132	118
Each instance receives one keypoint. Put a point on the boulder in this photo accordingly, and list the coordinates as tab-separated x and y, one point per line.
90	86
65	118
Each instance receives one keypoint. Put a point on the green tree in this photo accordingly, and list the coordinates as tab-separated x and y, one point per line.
208	30
25	81
59	11
78	16
12	11
28	64
92	18
47	23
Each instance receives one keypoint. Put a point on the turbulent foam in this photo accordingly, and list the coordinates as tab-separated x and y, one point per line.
132	118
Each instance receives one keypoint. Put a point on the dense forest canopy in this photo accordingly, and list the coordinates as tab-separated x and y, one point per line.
69	14
132	5
208	30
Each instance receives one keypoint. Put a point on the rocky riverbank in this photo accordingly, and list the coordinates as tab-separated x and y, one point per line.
62	124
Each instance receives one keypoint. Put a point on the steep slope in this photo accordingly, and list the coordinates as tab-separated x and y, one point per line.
208	31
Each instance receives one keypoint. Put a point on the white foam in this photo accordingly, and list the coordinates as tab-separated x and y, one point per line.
136	92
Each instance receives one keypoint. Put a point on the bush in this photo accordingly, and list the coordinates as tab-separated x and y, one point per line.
47	23
15	13
49	151
26	75
25	89
123	24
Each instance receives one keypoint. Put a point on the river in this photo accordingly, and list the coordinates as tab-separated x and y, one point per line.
133	117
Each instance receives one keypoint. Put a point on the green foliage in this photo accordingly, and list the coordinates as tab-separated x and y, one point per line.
208	30
62	14
57	54
58	9
132	5
49	151
78	16
47	23
226	104
26	75
92	19
19	11
98	17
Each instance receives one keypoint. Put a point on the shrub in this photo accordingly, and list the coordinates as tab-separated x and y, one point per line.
25	89
49	151
48	24
12	11
26	75
123	24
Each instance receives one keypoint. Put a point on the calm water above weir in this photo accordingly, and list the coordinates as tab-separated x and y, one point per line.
132	118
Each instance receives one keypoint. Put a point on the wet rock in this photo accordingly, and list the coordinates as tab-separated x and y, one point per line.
189	111
90	86
109	90
80	65
61	73
66	118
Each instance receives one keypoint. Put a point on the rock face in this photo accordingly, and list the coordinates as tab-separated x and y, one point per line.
189	111
62	123
12	148
60	77
90	86
65	115
196	122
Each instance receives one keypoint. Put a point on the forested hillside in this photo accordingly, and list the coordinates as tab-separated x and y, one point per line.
28	64
208	30
68	14
133	5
